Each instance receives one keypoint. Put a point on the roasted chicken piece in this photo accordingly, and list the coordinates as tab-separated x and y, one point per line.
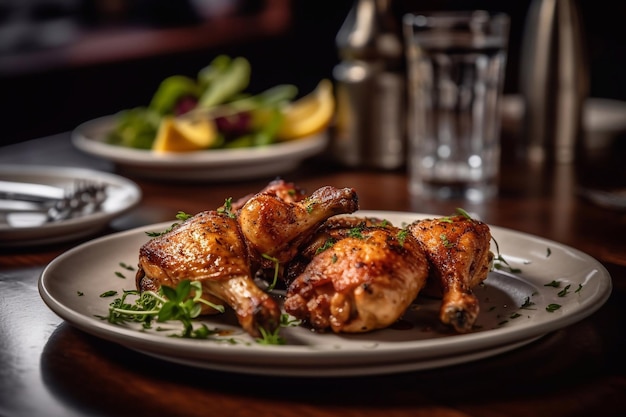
333	229
361	279
286	191
458	251
276	228
223	249
209	248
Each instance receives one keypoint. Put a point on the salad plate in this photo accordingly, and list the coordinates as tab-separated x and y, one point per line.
548	286
26	229
207	165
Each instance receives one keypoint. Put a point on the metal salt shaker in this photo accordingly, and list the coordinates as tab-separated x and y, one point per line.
370	83
554	81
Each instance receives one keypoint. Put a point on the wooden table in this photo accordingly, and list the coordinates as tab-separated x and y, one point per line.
49	368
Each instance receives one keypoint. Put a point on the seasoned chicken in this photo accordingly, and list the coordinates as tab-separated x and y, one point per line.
209	248
276	228
458	250
333	229
223	249
361	279
286	191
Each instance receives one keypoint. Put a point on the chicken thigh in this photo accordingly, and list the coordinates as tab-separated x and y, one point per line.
223	249
363	278
209	248
458	251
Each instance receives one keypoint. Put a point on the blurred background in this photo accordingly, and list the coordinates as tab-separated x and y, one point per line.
63	62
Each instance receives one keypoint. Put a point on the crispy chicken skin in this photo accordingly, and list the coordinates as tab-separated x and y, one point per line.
286	191
333	229
458	250
277	228
223	249
209	248
364	281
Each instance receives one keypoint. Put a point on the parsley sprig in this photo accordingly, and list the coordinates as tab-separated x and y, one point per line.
168	304
178	304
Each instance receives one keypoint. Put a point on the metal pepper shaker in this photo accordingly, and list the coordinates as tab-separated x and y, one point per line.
554	80
370	83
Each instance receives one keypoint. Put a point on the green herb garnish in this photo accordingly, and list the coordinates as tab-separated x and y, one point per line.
402	235
276	270
564	291
227	208
181	215
168	304
327	245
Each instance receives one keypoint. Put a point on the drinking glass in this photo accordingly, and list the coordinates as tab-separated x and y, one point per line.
456	62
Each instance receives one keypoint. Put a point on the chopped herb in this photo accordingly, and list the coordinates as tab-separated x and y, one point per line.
227	208
383	223
334	258
499	262
552	307
126	266
310	204
287	320
464	213
356	232
515	315
564	291
276	270
555	284
80	293
402	235
445	241
120	275
110	293
270	338
327	245
580	287
548	252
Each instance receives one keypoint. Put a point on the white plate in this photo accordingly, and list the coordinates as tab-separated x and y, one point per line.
209	165
421	343
122	195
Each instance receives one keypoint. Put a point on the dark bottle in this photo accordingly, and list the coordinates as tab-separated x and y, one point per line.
370	82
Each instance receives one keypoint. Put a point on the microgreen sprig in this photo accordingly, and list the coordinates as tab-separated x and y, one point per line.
227	208
276	270
168	304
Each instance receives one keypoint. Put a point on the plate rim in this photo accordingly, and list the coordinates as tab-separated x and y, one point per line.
194	351
89	222
301	147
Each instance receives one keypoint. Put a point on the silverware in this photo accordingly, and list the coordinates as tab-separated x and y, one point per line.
55	202
16	190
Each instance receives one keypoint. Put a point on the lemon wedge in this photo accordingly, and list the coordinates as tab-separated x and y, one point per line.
184	134
309	114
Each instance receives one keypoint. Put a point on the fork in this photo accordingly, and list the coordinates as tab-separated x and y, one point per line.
83	197
86	197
